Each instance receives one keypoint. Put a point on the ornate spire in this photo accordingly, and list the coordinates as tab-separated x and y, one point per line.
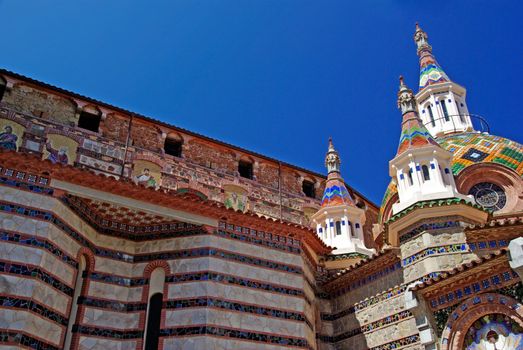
413	133
430	71
335	191
332	159
406	99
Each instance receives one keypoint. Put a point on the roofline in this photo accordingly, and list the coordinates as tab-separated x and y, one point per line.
156	121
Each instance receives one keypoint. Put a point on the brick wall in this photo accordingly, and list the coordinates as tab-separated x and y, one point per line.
146	136
204	154
115	127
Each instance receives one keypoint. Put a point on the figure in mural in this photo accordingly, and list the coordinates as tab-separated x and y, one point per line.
146	179
57	156
494	332
8	139
236	201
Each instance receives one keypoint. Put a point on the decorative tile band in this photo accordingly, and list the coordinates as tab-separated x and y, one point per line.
25	181
493	282
35	272
481	245
107	333
367	279
229	279
427	227
370	327
30	305
38	242
452	248
235	306
112	305
14	337
236	334
398	343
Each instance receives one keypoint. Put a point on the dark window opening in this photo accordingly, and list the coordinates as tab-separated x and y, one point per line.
432	122
89	121
425	170
245	169
461	117
338	228
153	322
409	175
2	88
308	189
173	147
445	112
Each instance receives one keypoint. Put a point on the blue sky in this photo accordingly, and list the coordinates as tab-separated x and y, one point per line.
274	76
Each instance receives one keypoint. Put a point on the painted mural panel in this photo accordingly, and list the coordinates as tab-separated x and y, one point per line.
60	149
10	135
146	173
494	332
235	197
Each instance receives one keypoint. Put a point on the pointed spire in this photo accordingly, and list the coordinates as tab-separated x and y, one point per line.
332	159
335	191
406	99
413	132
430	71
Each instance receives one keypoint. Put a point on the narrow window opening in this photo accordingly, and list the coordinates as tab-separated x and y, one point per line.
173	147
153	321
308	189
461	116
426	174
79	284
245	169
338	228
3	86
445	112
409	176
431	116
89	121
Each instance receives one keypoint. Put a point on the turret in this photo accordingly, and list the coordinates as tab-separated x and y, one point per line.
339	222
421	168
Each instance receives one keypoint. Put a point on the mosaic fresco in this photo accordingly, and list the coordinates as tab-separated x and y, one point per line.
146	174
10	135
60	149
495	331
235	197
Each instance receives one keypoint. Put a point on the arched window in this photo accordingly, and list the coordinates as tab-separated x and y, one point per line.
445	112
425	170
431	116
338	228
3	87
78	286
409	176
154	309
173	146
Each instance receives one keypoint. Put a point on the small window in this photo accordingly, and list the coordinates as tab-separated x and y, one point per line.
245	169
308	189
89	121
445	112
173	147
431	116
461	116
3	85
426	174
409	175
338	228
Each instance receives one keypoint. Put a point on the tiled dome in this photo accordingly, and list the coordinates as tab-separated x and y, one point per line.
472	148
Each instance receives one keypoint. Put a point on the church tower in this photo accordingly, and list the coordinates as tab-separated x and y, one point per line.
421	167
441	101
339	222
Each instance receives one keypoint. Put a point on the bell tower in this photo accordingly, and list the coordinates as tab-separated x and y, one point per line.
441	102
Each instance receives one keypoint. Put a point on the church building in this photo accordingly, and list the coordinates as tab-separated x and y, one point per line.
122	232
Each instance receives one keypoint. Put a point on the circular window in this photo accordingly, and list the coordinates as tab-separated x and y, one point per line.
489	196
